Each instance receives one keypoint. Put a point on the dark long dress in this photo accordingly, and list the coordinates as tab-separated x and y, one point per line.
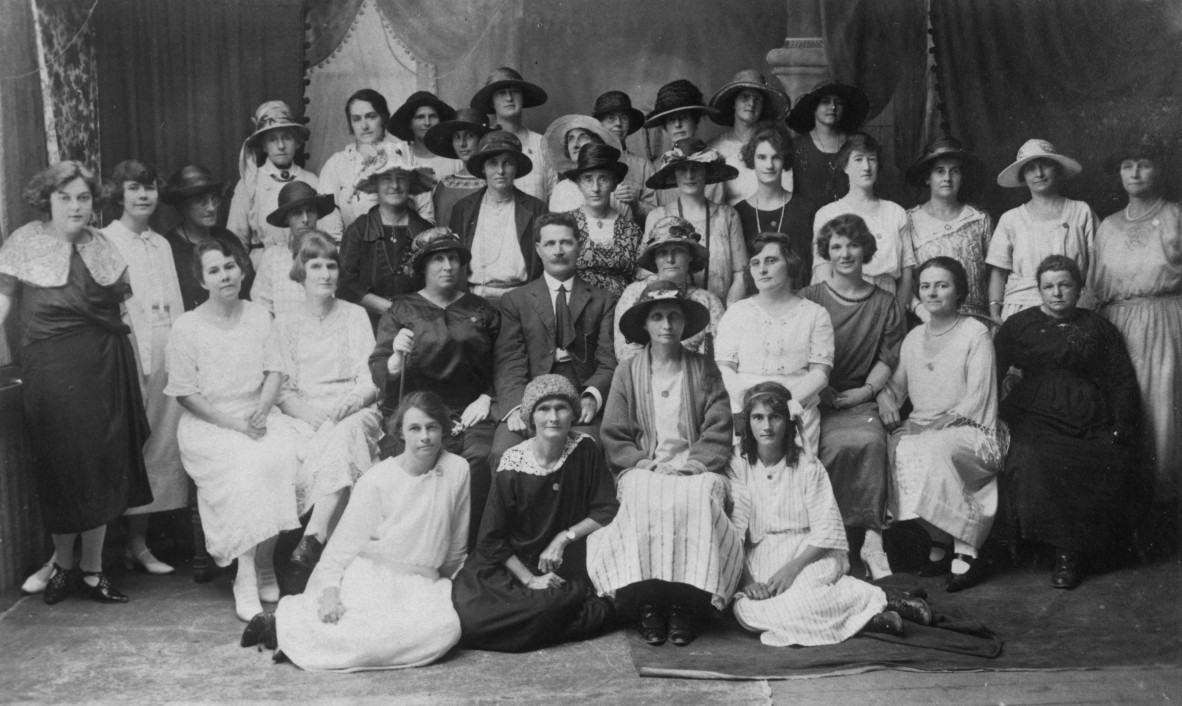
192	293
83	410
815	175
853	445
528	507
795	220
1073	418
452	357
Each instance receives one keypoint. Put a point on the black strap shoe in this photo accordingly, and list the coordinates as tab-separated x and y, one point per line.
939	567
103	591
62	584
260	631
307	552
970	578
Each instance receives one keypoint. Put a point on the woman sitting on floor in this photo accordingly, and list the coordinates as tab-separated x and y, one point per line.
380	598
526	585
795	588
328	391
671	550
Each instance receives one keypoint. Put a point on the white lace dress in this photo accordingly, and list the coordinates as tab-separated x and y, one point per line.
326	361
245	487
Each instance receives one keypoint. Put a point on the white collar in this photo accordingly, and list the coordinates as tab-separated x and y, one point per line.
553	284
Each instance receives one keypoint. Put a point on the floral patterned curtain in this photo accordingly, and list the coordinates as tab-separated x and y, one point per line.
69	84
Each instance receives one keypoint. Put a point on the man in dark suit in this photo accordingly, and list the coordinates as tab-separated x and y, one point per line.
555	324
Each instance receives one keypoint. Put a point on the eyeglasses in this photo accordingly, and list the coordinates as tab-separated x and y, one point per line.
208	201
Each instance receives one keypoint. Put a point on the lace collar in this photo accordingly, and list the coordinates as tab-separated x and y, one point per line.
33	255
520	458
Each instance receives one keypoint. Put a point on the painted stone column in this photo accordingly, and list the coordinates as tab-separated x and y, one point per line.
801	62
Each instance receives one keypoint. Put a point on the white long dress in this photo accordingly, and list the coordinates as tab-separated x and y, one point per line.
785	509
393	554
326	360
245	487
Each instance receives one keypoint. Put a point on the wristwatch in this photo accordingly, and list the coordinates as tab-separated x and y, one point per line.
570	535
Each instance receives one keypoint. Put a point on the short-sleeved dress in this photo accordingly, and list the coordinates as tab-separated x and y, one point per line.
853	441
325	360
608	264
887	221
246	488
946	456
529	506
964	239
399	541
722	236
777	348
86	449
1137	280
782	510
1020	243
1067	474
696	343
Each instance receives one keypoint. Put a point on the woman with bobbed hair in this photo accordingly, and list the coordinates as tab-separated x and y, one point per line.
327	390
373	150
226	371
868	327
772	208
69	282
797	591
946	456
1075	420
745	102
860	157
154	305
380	598
777	335
441	339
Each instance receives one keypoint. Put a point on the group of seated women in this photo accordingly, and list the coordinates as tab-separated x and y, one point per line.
769	416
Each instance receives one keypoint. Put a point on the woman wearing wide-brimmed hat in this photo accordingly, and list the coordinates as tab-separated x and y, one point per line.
372	150
1048	224
456	139
945	224
674	251
196	195
506	95
824	117
525	584
745	101
375	252
615	113
496	222
412	121
564	138
265	165
441	339
688	168
610	240
1138	283
679	110
671	552
300	209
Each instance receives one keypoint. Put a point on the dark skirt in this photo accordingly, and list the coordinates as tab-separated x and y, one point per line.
853	450
1067	492
86	426
498	613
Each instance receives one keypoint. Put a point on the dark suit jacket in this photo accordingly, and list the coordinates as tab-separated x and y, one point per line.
525	346
527	210
363	271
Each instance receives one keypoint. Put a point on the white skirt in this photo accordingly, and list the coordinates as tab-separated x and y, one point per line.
335	455
393	619
162	454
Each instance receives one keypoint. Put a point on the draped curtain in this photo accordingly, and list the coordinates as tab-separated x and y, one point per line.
1080	73
66	48
179	80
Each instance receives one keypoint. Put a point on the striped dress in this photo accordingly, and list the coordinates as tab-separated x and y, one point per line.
669	527
784	509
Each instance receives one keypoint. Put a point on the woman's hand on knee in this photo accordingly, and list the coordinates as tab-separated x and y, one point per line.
547	580
330	609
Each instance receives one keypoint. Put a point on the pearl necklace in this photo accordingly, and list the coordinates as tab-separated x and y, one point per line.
1148	211
931	332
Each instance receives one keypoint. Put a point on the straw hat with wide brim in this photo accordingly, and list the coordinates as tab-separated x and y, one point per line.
592	157
691	149
439	138
697	316
532	95
295	194
917	173
673	230
678	96
274	115
555	138
775	101
618	101
189	181
1011	176
803	116
399	123
421	180
499	142
436	240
